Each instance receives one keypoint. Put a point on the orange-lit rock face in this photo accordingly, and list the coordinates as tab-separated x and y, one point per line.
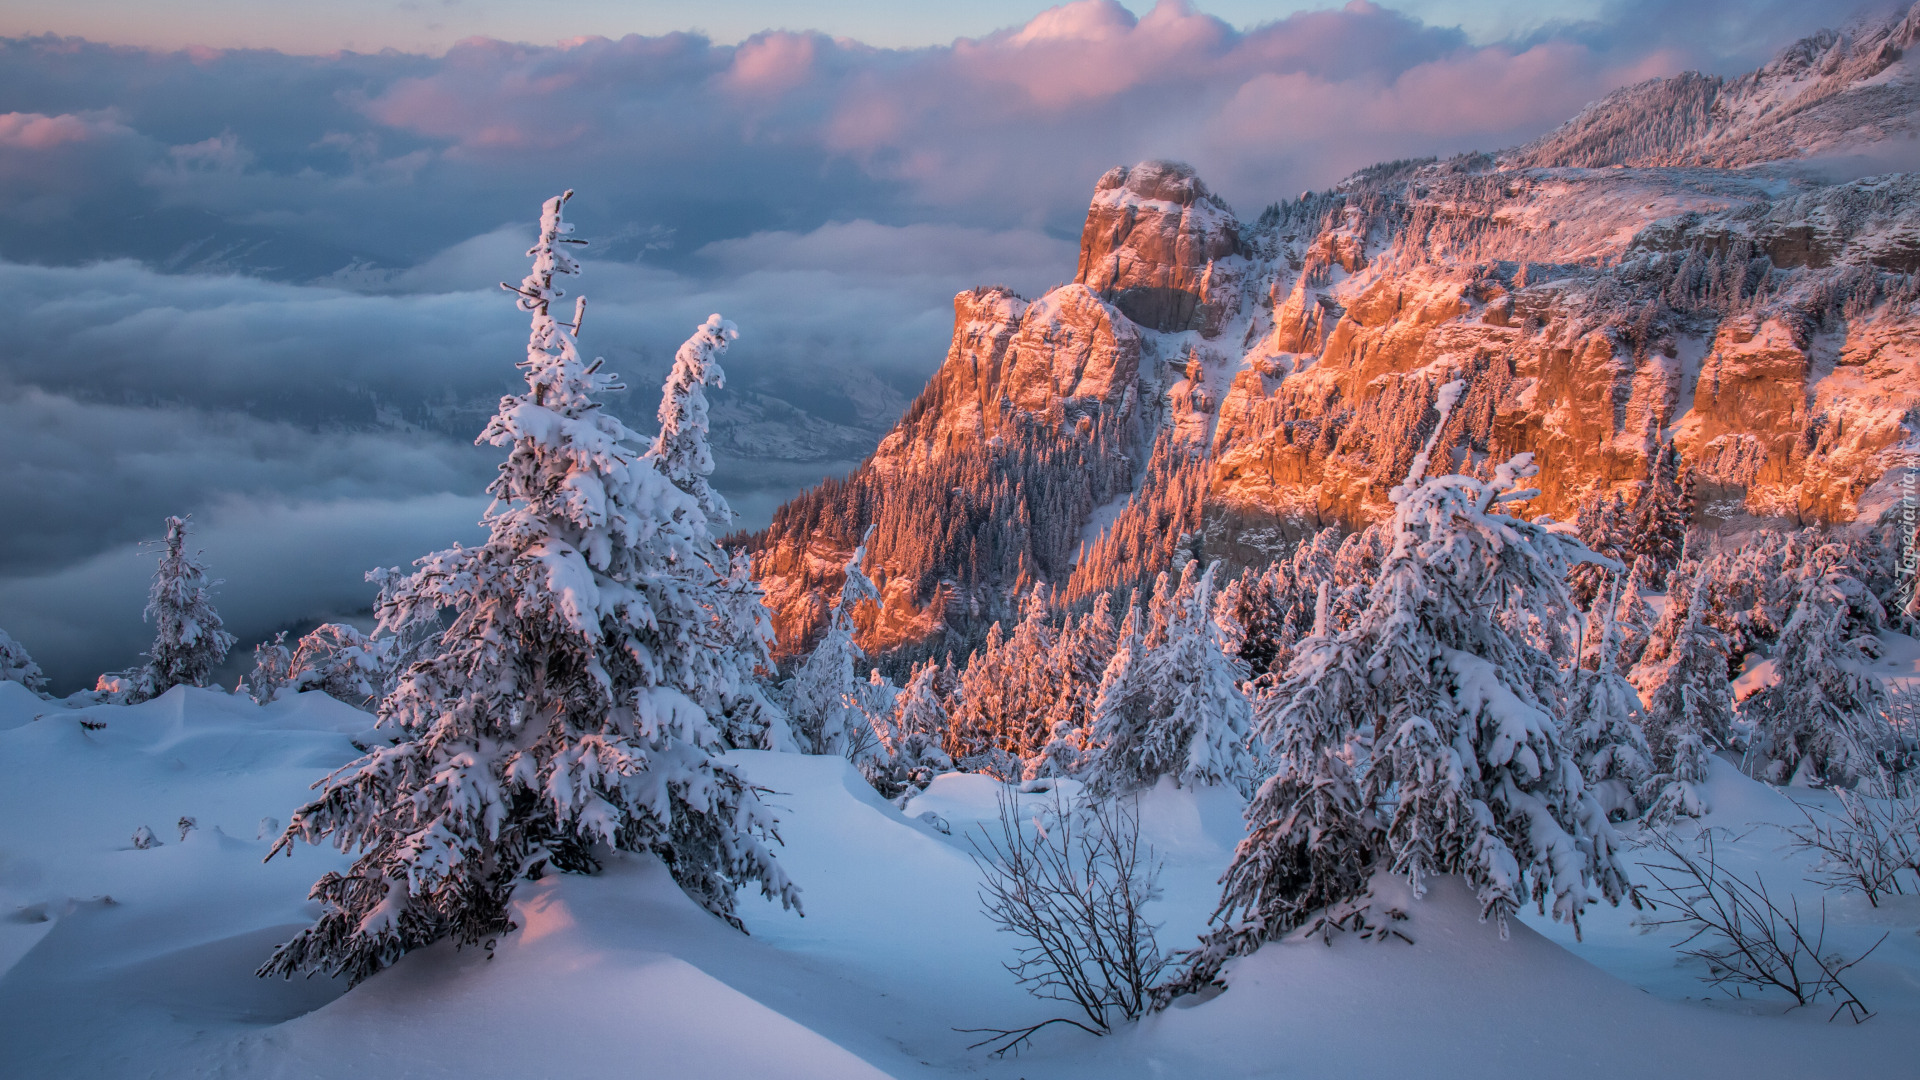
1594	314
1152	244
1057	358
1771	424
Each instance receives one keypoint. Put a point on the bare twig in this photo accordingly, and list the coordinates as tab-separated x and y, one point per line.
1746	939
1015	1038
1073	888
1866	848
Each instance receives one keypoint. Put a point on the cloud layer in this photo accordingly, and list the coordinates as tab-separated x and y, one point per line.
261	288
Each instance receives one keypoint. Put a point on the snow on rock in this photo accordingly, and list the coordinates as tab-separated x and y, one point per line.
1153	244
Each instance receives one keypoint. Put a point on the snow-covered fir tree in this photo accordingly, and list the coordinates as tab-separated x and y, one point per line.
188	639
747	715
560	714
1273	608
1033	684
1080	657
1200	728
272	662
1605	525
1689	703
1447	681
1604	726
1009	691
1312	838
1173	706
911	737
17	666
1120	710
1820	717
1661	515
827	697
682	448
334	658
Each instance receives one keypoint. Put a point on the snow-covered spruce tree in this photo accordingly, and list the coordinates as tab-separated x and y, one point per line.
17	666
1820	717
682	450
272	662
1175	708
1604	727
560	711
1032	686
1080	659
1008	691
826	693
1689	703
1273	608
973	736
1443	679
1199	730
911	738
1120	711
746	714
188	642
1661	515
334	659
1605	526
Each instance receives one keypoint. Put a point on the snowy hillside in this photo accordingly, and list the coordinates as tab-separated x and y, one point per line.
622	972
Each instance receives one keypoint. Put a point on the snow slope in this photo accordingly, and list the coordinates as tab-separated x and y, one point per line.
621	974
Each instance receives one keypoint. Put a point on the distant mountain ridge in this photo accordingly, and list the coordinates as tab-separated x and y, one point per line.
1656	272
1829	91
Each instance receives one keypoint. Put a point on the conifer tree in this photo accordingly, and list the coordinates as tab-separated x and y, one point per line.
682	448
1661	515
1174	706
334	659
826	694
1120	712
911	737
1605	724
746	714
1199	728
973	739
1604	525
188	641
559	713
1032	685
17	666
1080	657
1811	720
1443	674
1689	703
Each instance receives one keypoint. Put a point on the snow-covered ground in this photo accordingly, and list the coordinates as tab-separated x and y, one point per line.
116	961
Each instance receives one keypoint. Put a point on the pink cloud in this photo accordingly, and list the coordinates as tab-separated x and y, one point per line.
1296	102
773	63
34	131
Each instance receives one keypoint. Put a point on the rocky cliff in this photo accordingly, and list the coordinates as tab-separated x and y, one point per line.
1668	268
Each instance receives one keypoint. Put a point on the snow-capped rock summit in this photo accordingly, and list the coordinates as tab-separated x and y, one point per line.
1153	237
1663	274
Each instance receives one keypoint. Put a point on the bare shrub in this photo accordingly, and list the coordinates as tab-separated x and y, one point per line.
1867	847
1073	888
1747	940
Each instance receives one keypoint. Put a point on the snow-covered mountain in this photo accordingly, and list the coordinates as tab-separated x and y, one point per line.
1672	265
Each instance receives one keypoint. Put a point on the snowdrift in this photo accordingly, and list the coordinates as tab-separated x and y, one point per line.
117	961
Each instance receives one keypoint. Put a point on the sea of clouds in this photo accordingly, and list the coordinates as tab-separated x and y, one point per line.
261	288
